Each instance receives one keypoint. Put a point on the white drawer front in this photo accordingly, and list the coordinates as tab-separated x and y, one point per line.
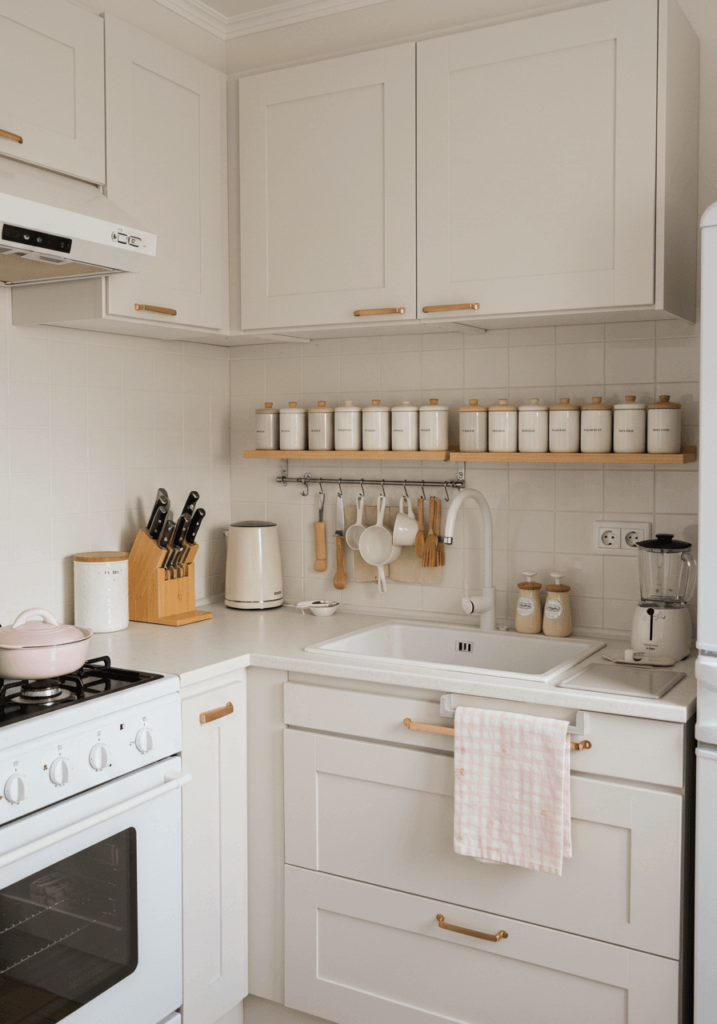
357	953
384	815
622	747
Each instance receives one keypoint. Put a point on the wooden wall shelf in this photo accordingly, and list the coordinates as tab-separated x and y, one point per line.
688	454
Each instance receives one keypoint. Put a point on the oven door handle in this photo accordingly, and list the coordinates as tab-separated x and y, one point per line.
172	780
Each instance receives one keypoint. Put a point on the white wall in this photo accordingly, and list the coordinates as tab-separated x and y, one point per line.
90	426
543	515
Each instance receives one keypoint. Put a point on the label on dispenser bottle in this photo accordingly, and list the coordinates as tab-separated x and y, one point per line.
554	608
525	606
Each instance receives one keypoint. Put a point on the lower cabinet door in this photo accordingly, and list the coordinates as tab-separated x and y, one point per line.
384	814
357	953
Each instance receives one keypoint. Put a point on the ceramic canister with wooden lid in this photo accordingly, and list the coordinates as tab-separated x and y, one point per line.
629	422
292	428
347	427
664	427
564	427
502	427
267	428
433	426
404	427
596	427
533	427
376	427
473	427
321	428
101	590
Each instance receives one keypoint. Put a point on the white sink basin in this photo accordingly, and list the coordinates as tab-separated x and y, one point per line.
506	655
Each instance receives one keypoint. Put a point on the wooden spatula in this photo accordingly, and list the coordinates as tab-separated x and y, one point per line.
429	549
420	536
440	547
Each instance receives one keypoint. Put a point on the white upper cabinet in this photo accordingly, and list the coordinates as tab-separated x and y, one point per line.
166	160
52	87
327	172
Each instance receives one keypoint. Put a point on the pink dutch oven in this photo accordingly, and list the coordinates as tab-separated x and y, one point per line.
41	650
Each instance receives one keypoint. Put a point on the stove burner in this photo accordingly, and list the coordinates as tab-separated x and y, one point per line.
45	695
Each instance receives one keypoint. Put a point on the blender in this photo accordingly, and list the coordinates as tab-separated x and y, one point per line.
662	624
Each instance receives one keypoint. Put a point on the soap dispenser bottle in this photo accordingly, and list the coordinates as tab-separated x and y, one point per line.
528	611
557	617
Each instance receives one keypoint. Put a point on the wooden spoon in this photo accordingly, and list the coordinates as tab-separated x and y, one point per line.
420	537
429	550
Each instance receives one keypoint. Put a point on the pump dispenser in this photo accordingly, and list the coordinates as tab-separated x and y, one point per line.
557	616
528	611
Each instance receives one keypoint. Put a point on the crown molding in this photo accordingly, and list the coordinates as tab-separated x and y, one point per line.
288	12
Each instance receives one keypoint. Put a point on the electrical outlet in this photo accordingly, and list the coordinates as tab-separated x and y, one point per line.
619	538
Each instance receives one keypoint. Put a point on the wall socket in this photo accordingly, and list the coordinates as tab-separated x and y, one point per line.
620	538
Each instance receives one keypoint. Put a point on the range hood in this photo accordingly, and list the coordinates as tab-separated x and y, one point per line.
54	228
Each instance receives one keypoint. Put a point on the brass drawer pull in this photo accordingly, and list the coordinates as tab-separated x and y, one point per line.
215	713
442	730
156	309
467	931
448	309
379	312
10	135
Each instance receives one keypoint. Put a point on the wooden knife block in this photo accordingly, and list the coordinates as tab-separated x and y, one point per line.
153	595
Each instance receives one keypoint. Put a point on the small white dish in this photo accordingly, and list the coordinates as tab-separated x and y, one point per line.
318	607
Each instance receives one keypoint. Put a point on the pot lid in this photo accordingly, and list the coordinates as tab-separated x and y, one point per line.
597	403
565	403
665	403
27	632
630	403
534	406
473	406
433	406
292	408
404	407
664	542
502	406
321	407
268	409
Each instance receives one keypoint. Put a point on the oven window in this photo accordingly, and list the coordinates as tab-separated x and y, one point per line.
69	932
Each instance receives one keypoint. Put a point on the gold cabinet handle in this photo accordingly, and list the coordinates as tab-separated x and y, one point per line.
156	309
215	713
379	312
448	309
10	135
467	931
443	730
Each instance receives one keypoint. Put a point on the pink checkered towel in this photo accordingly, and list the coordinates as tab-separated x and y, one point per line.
512	789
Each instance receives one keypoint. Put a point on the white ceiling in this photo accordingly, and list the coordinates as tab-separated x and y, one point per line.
230	8
229	19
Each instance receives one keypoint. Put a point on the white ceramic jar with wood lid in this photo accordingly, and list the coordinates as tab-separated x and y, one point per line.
502	427
267	428
564	427
473	427
629	422
664	427
533	427
596	427
347	427
433	427
292	428
321	428
404	427
101	590
376	427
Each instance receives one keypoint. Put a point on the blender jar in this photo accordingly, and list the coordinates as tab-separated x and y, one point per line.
667	571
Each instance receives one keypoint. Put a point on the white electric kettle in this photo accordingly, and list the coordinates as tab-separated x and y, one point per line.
253	566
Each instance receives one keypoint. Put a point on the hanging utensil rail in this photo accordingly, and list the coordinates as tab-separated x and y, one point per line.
458	484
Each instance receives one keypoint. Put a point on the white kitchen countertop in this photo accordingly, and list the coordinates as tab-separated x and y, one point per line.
276	639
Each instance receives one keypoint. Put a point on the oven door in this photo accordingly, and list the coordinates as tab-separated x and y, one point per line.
90	905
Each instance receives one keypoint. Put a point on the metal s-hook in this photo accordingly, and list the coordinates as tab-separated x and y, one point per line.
304	492
405	491
321	486
445	486
383	488
423	490
362	491
341	490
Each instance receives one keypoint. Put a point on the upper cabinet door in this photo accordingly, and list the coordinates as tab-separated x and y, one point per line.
327	180
166	156
536	162
52	87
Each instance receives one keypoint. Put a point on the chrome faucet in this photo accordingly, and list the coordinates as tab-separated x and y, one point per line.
485	605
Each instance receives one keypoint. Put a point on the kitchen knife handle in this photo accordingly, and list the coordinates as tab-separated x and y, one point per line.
320	535
190	504
194	525
157	523
340	579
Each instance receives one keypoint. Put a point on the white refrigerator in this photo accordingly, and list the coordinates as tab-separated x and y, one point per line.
706	727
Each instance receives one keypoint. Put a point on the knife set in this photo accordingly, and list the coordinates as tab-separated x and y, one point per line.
161	565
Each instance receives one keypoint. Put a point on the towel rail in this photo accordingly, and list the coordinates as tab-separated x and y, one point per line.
442	730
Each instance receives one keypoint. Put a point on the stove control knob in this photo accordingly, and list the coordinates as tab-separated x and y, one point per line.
144	741
99	757
59	771
16	788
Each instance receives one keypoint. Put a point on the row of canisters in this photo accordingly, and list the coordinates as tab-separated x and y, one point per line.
350	428
627	427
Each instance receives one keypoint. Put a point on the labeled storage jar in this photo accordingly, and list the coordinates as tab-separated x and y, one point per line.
664	427
267	428
629	423
502	427
596	427
433	427
473	427
376	427
321	428
347	427
292	429
533	427
404	427
101	590
528	609
564	427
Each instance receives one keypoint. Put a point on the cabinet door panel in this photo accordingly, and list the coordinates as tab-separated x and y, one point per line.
214	855
328	190
52	86
536	161
164	166
385	815
358	952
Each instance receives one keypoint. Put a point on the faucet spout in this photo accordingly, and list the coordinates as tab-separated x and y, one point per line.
485	605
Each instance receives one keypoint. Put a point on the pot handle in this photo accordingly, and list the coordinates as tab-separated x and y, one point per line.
35	613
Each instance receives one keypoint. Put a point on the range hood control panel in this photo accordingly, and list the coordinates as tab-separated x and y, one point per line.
124	239
28	236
